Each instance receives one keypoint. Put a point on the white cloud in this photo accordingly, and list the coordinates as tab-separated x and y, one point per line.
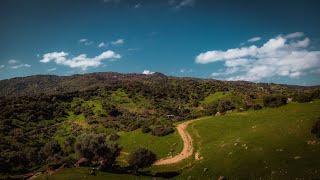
294	35
52	69
118	42
284	55
147	72
12	61
254	39
186	70
85	42
102	44
185	3
20	66
2	66
80	61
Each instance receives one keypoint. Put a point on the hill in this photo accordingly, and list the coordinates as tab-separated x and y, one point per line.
52	121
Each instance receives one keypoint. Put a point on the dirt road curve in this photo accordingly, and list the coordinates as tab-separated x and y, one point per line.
187	150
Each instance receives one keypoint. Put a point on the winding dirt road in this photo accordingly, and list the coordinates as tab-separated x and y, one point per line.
187	150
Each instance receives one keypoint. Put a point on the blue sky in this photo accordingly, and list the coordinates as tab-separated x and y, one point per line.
265	41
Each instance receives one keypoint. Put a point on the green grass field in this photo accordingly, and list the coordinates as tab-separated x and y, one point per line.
162	146
272	143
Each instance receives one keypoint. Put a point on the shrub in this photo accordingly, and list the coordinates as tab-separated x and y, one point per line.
162	130
145	129
141	158
302	97
274	101
88	112
77	110
69	144
316	128
113	137
225	105
95	148
211	108
51	149
257	106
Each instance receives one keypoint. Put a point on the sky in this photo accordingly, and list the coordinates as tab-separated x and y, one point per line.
259	41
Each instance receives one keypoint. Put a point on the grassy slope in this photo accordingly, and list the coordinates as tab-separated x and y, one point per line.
266	143
162	146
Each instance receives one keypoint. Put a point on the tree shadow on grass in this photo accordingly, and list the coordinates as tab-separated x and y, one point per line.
129	170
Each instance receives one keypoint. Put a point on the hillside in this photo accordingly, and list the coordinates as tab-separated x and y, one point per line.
47	122
51	84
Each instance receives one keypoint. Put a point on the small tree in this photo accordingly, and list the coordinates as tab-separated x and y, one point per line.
145	129
95	148
51	149
274	101
302	97
316	128
225	105
141	158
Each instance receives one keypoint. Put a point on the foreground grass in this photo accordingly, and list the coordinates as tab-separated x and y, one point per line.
270	143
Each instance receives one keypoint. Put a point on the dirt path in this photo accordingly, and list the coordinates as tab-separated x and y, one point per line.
187	150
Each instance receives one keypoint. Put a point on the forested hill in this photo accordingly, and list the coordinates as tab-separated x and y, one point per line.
52	85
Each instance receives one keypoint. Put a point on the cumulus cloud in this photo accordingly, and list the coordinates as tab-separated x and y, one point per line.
284	55
80	61
12	61
20	66
2	66
254	39
85	42
147	72
117	42
101	45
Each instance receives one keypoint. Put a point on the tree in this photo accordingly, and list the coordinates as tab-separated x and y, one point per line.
225	105
302	97
145	129
95	148
274	100
51	149
316	128
141	158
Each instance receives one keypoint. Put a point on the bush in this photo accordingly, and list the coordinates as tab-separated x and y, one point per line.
88	112
257	106
302	97
225	105
162	130
145	129
274	101
141	158
95	148
113	137
316	128
211	108
51	149
77	110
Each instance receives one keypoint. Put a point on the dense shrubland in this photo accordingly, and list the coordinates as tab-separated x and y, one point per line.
60	120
